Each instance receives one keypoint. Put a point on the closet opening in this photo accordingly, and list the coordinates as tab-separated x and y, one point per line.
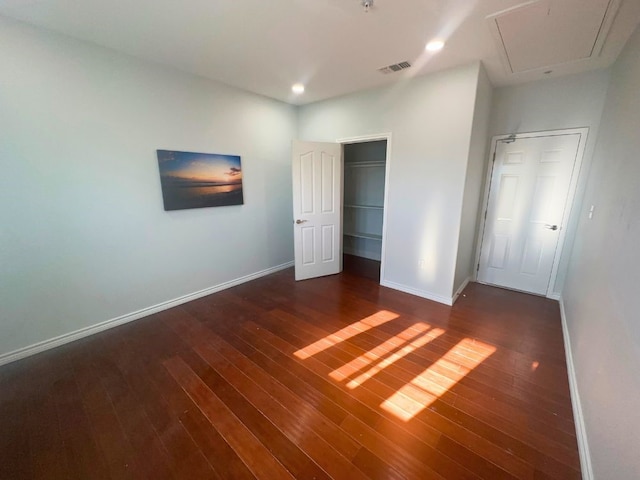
365	165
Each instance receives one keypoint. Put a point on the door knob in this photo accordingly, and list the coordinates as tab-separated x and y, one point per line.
551	227
300	221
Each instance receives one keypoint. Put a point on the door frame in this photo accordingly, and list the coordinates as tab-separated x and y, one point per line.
372	138
569	202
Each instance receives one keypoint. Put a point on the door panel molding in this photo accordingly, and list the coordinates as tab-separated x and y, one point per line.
568	207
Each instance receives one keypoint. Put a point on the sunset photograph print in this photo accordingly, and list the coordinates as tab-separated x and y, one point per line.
197	180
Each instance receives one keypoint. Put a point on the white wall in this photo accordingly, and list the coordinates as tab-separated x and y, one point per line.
430	119
601	294
474	182
567	102
83	234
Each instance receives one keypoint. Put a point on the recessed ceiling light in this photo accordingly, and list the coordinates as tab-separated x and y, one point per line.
298	88
434	45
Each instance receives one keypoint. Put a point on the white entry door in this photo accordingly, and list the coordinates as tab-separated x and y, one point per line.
528	200
317	208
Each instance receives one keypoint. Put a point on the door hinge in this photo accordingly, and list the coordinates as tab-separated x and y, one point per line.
485	214
478	267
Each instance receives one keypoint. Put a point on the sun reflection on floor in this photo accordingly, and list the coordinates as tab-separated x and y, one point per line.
386	354
425	388
346	333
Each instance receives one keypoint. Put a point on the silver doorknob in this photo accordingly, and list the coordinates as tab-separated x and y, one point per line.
300	221
551	227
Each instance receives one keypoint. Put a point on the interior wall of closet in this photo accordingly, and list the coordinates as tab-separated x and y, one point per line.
364	181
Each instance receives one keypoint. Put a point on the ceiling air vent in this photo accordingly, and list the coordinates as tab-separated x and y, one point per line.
396	67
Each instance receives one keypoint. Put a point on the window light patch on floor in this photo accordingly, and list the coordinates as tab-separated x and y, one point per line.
371	356
422	390
386	354
427	387
361	326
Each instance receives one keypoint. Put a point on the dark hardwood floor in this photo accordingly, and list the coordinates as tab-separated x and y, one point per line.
329	378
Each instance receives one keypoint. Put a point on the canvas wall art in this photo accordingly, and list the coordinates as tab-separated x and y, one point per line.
197	180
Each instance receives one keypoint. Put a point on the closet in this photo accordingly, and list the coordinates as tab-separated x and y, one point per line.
364	181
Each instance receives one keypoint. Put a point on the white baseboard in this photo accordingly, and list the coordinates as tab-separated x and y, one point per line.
581	432
129	317
554	296
419	293
460	289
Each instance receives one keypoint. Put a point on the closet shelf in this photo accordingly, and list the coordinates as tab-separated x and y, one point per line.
370	236
370	207
364	164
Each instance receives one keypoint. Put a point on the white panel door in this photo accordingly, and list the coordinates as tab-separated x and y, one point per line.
530	184
317	208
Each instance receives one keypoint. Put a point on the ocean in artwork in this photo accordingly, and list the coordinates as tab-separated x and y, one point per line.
197	180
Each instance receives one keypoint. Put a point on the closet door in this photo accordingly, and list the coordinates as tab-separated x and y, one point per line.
317	208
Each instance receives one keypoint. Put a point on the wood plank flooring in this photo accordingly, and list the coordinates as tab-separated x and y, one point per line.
275	379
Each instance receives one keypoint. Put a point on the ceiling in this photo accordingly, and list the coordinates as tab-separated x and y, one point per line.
334	47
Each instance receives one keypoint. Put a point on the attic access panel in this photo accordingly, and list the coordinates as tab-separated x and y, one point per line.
550	32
